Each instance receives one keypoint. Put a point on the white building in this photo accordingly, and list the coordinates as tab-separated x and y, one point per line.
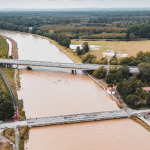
111	90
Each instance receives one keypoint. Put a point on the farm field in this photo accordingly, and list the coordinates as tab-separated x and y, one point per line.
129	47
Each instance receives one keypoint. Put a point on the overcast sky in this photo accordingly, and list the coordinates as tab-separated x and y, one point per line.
40	4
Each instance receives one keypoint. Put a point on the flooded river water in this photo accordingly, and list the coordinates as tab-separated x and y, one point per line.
58	92
121	134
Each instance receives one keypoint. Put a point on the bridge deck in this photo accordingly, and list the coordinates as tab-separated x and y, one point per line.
77	118
69	119
73	66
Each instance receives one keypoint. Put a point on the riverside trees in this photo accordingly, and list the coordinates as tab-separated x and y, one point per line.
130	86
6	106
83	50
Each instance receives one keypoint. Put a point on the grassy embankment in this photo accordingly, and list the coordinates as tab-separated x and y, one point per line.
4	48
9	74
67	51
7	134
139	121
10	134
129	47
23	136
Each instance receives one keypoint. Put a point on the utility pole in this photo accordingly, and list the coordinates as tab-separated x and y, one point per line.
108	65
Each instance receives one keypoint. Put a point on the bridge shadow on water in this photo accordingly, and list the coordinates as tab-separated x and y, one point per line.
51	69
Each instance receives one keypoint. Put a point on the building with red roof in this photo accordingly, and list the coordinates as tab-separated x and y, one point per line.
147	89
111	90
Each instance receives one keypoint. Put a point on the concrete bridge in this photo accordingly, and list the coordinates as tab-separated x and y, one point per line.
72	66
69	119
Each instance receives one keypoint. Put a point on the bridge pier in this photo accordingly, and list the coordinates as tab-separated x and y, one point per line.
73	71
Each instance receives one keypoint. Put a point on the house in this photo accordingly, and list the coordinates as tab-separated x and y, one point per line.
111	90
147	89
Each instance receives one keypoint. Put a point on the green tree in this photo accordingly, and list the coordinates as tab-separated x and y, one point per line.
132	100
6	106
85	47
148	100
110	78
78	51
144	69
100	73
125	71
88	58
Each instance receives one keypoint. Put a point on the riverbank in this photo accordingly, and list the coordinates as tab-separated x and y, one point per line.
70	53
14	47
13	77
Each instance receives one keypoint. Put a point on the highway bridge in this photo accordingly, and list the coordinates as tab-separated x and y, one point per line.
72	66
69	119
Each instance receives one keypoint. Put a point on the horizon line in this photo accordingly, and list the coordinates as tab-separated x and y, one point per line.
75	8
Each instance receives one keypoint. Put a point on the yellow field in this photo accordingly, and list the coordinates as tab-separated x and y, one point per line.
131	48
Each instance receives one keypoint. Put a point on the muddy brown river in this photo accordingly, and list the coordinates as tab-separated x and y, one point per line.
58	92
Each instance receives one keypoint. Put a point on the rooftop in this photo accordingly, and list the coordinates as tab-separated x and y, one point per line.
110	89
147	89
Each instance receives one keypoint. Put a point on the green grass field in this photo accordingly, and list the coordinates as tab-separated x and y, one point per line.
4	48
129	47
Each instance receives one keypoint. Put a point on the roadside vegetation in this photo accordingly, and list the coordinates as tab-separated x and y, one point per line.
22	115
10	134
6	104
130	86
23	136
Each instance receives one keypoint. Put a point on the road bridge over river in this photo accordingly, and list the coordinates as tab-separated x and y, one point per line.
72	66
69	119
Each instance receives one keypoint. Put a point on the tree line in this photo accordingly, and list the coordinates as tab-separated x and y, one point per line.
88	32
138	31
6	106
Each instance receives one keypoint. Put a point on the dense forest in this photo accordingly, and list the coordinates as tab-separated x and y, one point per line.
104	18
66	25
